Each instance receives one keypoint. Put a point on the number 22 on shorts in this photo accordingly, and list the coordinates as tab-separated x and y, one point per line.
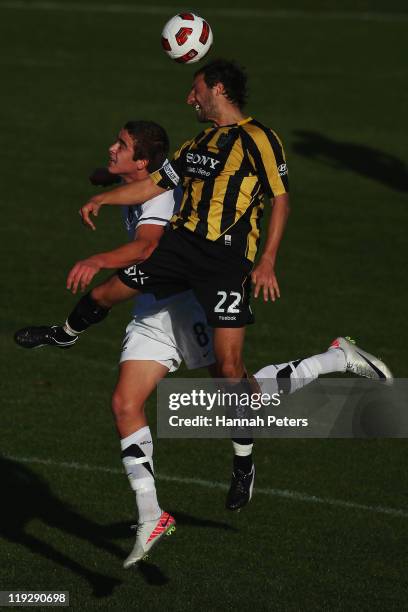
232	308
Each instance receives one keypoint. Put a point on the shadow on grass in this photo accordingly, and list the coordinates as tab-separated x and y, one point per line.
121	530
372	163
26	497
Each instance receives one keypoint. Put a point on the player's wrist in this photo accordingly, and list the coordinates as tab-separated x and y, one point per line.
98	260
97	199
269	258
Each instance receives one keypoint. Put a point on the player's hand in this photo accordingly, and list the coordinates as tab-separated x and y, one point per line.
90	208
82	274
264	279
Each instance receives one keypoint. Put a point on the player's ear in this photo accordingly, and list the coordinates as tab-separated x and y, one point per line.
142	164
219	89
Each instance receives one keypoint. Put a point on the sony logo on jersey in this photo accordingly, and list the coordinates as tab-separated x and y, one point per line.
203	160
282	169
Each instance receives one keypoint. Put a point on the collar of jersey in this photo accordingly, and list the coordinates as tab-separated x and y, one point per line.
219	127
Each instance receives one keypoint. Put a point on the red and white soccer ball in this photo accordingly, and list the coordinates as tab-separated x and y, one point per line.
186	38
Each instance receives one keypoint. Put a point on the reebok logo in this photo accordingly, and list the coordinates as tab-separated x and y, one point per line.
202	160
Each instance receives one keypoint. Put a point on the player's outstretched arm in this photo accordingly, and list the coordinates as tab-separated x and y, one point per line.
147	238
125	195
263	276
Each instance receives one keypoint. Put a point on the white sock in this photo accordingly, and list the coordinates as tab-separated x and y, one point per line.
301	372
242	450
137	453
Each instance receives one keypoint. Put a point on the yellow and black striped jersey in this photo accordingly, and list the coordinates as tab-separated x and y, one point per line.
225	172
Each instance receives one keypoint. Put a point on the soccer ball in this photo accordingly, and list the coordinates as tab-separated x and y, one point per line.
186	38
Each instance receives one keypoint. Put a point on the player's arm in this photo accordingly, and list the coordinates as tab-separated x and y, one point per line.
165	179
266	154
147	238
125	195
263	275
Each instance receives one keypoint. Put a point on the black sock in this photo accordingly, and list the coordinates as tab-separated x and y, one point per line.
245	462
87	312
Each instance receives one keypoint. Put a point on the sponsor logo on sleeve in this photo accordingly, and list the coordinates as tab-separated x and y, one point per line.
173	176
282	169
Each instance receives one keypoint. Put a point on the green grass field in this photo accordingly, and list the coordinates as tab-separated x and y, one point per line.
331	80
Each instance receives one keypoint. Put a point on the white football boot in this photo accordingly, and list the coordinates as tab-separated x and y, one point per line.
360	362
147	535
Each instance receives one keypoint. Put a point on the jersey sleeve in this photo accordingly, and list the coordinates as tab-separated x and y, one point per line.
158	210
171	174
267	157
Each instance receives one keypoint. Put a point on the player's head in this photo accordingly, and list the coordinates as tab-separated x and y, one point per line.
141	147
215	83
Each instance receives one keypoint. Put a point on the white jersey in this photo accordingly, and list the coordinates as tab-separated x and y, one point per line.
157	211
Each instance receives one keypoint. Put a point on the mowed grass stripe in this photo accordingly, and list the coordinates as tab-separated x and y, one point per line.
282	493
236	13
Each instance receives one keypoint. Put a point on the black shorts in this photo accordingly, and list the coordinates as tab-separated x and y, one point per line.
219	277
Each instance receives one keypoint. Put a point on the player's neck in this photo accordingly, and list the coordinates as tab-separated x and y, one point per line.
133	177
229	116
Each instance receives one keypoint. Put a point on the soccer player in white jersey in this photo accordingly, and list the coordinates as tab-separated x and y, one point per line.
162	334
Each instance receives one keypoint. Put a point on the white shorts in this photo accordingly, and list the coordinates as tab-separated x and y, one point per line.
177	332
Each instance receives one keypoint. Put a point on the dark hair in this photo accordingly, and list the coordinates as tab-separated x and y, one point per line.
150	142
231	75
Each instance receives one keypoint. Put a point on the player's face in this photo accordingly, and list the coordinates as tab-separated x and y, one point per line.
202	98
121	155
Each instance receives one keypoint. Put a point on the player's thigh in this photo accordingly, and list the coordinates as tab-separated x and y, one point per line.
136	381
112	291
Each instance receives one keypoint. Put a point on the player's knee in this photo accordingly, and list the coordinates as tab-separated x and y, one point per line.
125	408
101	296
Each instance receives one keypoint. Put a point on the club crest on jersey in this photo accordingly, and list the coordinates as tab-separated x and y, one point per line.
224	140
136	275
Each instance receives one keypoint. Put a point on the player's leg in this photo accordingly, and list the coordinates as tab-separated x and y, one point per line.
342	356
91	309
137	380
228	346
225	298
148	354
